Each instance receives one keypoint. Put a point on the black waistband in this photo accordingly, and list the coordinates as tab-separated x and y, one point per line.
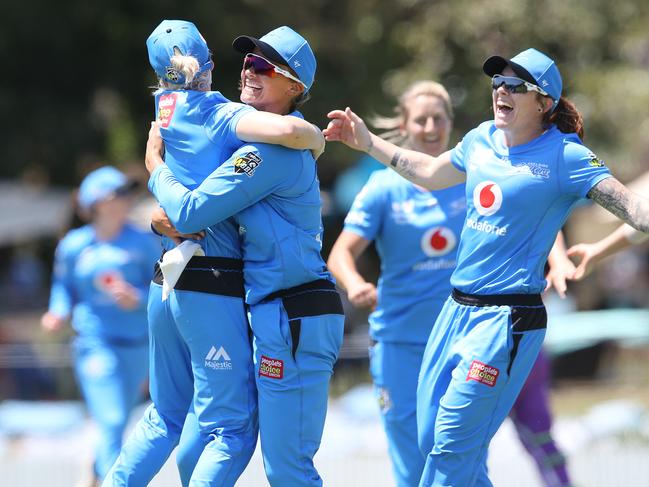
313	298
213	275
497	299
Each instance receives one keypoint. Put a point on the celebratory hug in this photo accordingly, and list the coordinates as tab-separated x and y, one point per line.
245	319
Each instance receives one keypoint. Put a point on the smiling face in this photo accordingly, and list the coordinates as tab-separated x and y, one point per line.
427	125
268	93
519	115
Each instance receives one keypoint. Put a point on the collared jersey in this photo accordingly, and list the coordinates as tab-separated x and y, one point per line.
518	198
84	270
199	132
274	193
416	232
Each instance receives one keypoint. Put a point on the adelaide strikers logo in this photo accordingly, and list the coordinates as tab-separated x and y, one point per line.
487	198
438	241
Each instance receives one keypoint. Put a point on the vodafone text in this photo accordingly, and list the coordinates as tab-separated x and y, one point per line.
486	227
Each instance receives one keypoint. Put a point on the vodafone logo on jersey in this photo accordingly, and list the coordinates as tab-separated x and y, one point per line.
438	241
487	198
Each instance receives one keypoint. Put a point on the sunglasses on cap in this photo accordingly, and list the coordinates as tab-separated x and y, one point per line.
515	85
263	66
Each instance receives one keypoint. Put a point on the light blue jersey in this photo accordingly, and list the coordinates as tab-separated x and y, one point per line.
507	238
281	234
199	132
295	312
84	270
417	233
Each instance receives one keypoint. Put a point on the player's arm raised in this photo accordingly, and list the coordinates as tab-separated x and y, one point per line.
427	171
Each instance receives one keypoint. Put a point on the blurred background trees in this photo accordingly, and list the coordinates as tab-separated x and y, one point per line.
76	79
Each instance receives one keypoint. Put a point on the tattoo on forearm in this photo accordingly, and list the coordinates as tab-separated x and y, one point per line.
623	203
395	159
403	165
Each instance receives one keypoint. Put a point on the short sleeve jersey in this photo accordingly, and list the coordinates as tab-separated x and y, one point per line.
416	232
84	270
199	131
518	198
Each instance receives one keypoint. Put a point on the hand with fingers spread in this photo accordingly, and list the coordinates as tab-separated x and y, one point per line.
586	256
348	128
560	272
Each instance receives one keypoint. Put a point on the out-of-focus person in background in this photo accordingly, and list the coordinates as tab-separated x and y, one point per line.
100	283
416	232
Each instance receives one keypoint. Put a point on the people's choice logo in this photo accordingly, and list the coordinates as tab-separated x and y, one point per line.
487	198
438	241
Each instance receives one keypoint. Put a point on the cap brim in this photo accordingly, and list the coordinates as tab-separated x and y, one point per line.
246	44
495	65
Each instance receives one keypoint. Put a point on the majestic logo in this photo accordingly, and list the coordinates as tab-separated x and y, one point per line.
247	164
166	107
487	198
218	359
271	368
296	63
438	241
483	373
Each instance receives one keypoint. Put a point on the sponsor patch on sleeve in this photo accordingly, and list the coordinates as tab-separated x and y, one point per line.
247	163
271	368
595	161
166	107
483	373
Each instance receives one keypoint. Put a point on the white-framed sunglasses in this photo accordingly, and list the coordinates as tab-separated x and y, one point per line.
515	85
263	66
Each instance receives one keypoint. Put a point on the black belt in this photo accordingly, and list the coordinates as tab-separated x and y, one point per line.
313	298
213	275
497	299
527	313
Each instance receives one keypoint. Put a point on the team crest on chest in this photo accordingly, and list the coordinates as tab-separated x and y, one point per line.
247	164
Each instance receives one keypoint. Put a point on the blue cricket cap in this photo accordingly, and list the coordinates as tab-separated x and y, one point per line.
284	46
181	35
530	65
102	183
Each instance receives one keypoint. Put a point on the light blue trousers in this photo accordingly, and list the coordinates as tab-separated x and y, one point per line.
201	358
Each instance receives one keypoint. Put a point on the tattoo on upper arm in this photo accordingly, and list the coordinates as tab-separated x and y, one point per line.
623	203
